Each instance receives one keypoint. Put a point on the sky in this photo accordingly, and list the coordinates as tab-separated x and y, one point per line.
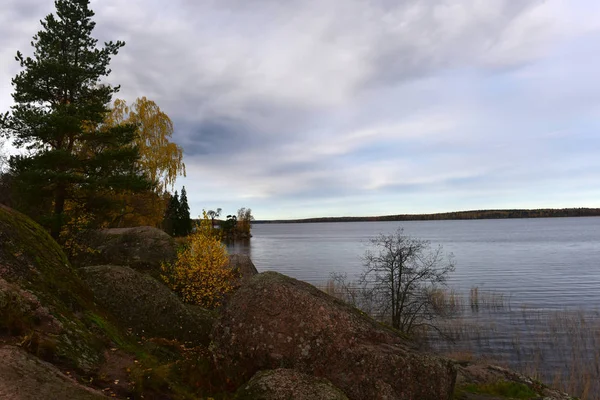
308	108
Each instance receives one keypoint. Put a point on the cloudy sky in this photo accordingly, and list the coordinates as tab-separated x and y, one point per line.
306	108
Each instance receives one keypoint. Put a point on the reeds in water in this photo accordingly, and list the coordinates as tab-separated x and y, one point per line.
559	348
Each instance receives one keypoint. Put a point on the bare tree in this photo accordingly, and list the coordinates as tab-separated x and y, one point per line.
213	214
402	274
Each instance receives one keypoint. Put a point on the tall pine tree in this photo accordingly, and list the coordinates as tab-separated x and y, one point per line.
60	103
171	221
185	222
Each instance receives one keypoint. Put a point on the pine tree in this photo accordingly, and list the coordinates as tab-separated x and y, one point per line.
60	103
184	220
171	224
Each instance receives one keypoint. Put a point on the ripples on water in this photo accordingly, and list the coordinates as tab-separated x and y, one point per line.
549	268
547	262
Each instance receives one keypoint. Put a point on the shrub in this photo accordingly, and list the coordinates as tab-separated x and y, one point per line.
200	274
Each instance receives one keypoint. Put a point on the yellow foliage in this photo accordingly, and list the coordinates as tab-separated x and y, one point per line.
200	274
160	159
137	209
79	221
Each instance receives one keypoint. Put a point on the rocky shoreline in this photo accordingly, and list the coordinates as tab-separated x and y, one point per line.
104	326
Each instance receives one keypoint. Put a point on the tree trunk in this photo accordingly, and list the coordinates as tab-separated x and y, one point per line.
59	207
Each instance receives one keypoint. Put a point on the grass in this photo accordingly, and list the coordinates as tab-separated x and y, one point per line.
559	348
512	390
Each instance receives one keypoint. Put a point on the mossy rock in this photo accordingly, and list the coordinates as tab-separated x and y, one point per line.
142	248
35	270
490	382
284	384
25	377
146	306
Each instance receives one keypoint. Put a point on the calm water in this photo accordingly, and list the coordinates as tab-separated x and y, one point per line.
546	263
543	266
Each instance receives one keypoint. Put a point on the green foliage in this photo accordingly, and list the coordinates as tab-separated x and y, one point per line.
507	389
172	215
229	226
60	105
184	225
177	221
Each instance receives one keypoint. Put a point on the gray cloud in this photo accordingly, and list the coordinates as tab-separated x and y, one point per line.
322	107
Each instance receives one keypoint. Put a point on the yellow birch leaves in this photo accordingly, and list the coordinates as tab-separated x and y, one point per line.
201	274
160	159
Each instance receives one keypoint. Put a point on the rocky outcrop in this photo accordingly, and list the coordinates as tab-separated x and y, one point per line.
41	296
480	381
22	311
275	321
25	377
284	384
243	266
142	248
146	306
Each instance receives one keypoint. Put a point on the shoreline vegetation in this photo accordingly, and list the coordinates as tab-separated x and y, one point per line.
454	215
558	347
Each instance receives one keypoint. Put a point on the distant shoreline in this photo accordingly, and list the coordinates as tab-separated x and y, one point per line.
454	215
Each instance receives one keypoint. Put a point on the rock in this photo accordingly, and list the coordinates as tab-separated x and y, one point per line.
149	308
142	248
284	384
25	377
22	311
476	381
275	321
43	296
243	265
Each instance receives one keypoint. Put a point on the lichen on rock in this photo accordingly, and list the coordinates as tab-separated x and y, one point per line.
142	248
275	321
283	384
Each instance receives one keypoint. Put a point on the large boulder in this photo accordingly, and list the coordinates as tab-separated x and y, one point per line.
25	377
42	296
142	248
274	321
284	384
146	306
243	266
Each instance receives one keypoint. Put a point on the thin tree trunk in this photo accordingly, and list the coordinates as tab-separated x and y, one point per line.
59	207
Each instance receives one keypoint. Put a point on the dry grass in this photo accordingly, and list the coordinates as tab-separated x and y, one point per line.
559	348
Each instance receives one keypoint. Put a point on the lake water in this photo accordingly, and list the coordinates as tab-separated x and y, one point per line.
542	263
548	269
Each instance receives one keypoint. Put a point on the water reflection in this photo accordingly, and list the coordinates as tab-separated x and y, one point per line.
239	246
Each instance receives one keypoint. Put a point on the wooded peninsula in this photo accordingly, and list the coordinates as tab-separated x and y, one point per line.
454	215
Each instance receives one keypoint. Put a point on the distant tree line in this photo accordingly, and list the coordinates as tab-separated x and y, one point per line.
458	215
